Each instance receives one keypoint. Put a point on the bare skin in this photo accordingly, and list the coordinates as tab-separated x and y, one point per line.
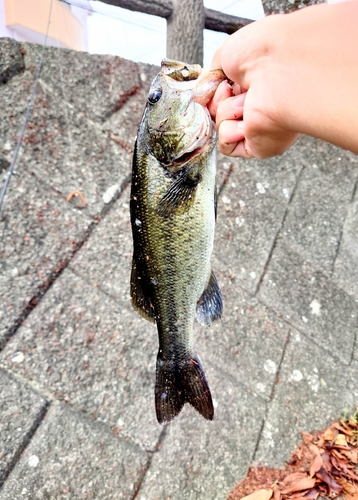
294	73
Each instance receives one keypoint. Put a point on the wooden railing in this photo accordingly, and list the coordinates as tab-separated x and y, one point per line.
186	20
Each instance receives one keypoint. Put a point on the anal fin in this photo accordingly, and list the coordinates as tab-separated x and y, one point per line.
210	305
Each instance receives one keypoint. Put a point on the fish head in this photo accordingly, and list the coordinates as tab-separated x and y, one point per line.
179	124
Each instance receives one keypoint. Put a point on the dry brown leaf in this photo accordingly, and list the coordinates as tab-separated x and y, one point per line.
325	464
352	455
263	494
341	440
348	487
300	484
343	428
333	486
306	437
328	434
316	464
351	497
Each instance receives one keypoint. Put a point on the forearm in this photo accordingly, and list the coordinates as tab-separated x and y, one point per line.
295	73
316	56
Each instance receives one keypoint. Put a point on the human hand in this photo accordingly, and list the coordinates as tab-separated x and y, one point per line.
249	114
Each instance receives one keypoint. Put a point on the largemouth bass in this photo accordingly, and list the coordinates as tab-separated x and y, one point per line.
173	211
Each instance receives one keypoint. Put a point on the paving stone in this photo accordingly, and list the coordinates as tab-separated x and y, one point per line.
39	233
345	267
92	352
71	457
204	460
105	260
122	126
11	59
247	343
96	85
311	302
21	410
250	213
61	146
314	388
316	213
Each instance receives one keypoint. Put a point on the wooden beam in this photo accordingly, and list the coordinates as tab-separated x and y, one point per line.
224	23
160	8
213	19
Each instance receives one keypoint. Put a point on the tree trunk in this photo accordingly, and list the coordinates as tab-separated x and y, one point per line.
185	37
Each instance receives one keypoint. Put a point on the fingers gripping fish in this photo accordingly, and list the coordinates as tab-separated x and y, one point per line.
172	206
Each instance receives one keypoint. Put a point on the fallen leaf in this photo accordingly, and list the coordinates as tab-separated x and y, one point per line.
306	437
300	484
341	440
263	494
316	464
333	486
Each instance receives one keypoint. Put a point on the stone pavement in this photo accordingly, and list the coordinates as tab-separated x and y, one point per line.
77	418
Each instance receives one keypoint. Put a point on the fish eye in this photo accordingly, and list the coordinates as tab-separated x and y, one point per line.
155	96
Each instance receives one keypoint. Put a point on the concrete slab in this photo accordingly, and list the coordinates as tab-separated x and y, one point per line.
12	62
313	389
21	412
40	231
71	457
311	302
247	344
200	459
96	354
316	213
105	260
251	209
345	272
63	148
96	85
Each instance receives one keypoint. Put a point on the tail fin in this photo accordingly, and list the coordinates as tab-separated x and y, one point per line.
178	383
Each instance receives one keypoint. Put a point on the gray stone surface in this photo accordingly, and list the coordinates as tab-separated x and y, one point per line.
39	233
94	85
311	302
345	267
62	147
21	411
316	214
105	260
200	459
247	343
284	357
92	352
11	60
73	458
251	209
312	391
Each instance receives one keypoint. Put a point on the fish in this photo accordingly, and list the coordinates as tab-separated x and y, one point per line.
173	214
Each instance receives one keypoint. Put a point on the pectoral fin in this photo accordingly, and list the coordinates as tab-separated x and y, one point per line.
140	298
179	195
210	305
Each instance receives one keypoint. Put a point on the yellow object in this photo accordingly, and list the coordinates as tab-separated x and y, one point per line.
32	16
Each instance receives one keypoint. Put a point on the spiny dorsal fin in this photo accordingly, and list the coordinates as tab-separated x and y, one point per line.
210	305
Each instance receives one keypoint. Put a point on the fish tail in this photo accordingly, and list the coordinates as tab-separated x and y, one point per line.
178	383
